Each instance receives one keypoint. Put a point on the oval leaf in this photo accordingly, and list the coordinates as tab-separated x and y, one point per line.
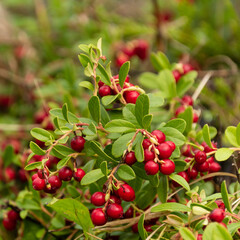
126	173
92	177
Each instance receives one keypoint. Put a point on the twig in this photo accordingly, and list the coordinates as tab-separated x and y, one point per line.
149	237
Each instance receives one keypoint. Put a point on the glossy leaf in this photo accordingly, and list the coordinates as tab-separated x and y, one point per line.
123	72
87	85
41	134
106	100
141	108
223	154
215	231
120	126
231	135
186	234
206	135
36	149
94	108
162	189
180	180
126	173
225	196
92	176
172	207
177	123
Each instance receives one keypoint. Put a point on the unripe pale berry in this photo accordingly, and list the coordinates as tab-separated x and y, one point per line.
115	211
126	193
167	167
98	198
79	174
98	217
217	215
65	173
77	143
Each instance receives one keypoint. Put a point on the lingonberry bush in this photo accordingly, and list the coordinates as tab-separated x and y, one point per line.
140	165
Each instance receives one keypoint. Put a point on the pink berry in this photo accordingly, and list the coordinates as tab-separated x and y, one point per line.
199	237
115	211
98	217
79	174
217	215
195	117
176	75
10	174
121	59
167	167
159	135
130	158
141	49
187	100
126	193
77	143
179	110
65	173
187	68
151	168
98	198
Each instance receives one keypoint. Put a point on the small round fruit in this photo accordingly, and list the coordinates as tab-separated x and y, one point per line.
187	68
121	59
34	176
187	151
10	174
165	151
126	193
220	204
65	173
130	158
148	155
98	198
192	172
98	217
13	215
115	211
79	174
77	143
129	213
195	117
187	100
148	227
141	49
151	168
167	167
176	75
204	167
179	110
9	224
55	182
41	173
171	144
159	135
214	167
105	91
200	157
135	228
38	184
146	143
223	224
199	237
115	199
182	174
22	175
131	96
217	215
208	149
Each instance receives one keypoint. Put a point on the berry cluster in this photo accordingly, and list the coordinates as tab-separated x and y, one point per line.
10	220
181	70
157	152
129	92
137	48
112	208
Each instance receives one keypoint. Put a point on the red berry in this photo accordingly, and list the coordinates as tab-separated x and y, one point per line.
129	50
105	91
100	84
10	174
192	172
34	176
135	228
200	157
98	217
214	167
65	173
40	143
77	143
148	155
22	175
186	151
38	184
141	49
210	160
126	193
223	224
115	211
98	198
171	144
199	237
195	117
121	59
151	168
159	135
204	167
171	200
187	68
129	213
220	204
115	199
217	215
179	110
207	149
41	173
131	96
182	174
148	228
79	174
165	151
167	167
8	224
55	182
130	158
13	215
146	143
187	100
176	75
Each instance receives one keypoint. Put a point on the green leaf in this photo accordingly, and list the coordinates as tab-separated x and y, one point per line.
84	47
206	135
56	123
72	191
64	150
32	166
139	152
141	230
63	162
65	112
91	130
186	234
99	45
159	61
129	114
155	100
87	85
238	134
163	187
223	154
92	176
172	134
104	116
215	231
73	210
100	152
103	167
120	145
225	196
57	112
186	82
123	72
106	100
233	227
94	108
126	173
8	155
149	80
41	134
141	108
104	75
147	119
187	115
177	123
178	207
180	180
119	126
84	59
230	134
36	149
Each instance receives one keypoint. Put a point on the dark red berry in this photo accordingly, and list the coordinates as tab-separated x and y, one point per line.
151	168
204	167
146	143
55	182
65	173
192	172
214	167
115	211
207	149
187	100
220	204
200	157
182	174
167	167
77	143
115	199
42	172
98	198
22	175
159	135
100	84
130	158
148	155
187	68
135	228
8	224
165	151
105	91
171	200
217	215
126	193
79	174
171	144
148	228
187	151
129	213
176	75
195	117
13	215
98	217
131	96
141	49
38	184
